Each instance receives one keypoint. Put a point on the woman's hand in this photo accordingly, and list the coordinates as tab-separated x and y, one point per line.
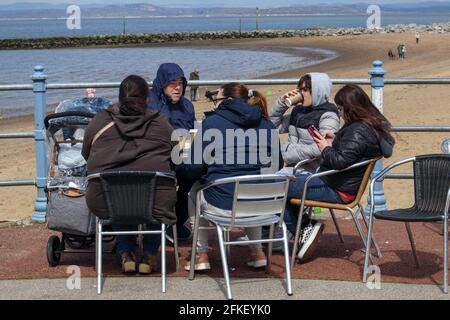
322	142
289	94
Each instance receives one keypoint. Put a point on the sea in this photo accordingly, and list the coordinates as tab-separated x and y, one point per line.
113	64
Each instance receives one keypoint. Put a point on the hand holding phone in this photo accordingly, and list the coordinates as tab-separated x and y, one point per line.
314	132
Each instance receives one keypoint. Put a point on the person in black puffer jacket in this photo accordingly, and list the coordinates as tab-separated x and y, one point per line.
365	135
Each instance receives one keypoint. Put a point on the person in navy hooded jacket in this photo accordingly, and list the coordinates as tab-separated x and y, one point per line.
240	114
167	97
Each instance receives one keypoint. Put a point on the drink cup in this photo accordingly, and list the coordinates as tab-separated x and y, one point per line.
294	100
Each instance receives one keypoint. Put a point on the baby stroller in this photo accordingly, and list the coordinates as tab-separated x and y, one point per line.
67	211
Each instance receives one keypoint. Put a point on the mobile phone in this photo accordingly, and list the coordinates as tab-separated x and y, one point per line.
313	131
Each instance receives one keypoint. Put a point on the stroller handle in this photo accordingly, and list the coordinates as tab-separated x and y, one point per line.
66	114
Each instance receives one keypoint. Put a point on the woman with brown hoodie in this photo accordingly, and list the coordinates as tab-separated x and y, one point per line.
133	138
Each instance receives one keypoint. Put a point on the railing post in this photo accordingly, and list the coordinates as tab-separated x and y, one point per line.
40	106
377	83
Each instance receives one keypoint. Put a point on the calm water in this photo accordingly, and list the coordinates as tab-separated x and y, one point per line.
50	28
112	65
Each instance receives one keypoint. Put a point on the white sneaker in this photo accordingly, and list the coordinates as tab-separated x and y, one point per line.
309	239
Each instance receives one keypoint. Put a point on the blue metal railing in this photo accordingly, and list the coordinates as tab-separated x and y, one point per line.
39	86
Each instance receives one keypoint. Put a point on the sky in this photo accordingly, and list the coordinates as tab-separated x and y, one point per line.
228	3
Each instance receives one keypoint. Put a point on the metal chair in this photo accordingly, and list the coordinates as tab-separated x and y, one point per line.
350	207
445	146
130	196
432	199
259	200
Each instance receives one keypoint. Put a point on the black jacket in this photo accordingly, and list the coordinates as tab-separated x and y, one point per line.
354	143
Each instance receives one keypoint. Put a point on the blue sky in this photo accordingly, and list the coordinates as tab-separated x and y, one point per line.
237	3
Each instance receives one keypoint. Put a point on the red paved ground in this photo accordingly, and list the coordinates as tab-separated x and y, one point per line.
23	255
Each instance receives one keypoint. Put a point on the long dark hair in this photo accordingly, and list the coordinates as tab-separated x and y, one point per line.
133	94
357	106
240	91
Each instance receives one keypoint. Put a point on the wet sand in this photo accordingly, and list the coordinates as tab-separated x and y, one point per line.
403	104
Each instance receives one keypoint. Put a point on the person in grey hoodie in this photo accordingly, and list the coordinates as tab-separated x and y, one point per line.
314	109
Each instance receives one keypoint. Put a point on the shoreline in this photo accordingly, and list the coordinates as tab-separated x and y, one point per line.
139	39
403	104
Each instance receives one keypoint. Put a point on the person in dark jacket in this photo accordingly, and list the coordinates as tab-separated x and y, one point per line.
129	136
242	134
167	97
365	135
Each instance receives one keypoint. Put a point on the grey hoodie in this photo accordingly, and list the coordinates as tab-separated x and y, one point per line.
299	144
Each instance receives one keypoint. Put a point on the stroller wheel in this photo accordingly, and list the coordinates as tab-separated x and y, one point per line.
53	251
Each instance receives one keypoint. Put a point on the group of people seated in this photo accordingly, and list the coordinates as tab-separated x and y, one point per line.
137	134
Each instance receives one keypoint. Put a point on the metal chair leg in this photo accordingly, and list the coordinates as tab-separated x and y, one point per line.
286	261
367	253
175	246
141	240
224	262
297	235
269	249
446	253
375	243
194	247
99	256
336	225
413	243
163	258
359	229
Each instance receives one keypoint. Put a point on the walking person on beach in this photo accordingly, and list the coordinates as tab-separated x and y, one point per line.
167	97
417	37
400	51
194	75
403	51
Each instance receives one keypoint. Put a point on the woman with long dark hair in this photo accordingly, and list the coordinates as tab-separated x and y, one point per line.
365	135
129	136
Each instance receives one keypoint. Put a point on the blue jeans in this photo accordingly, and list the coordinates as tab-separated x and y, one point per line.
317	190
128	242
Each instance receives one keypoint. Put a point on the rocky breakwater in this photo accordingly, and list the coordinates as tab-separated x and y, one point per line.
155	38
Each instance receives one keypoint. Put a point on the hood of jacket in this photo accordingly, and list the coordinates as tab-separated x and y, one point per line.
166	73
131	127
321	88
239	112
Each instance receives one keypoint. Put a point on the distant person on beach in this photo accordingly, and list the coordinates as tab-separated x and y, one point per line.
194	75
417	37
400	51
403	51
391	55
129	136
311	107
167	97
364	136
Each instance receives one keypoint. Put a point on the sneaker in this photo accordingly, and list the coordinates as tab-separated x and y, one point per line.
148	264
183	233
257	259
201	262
309	239
128	262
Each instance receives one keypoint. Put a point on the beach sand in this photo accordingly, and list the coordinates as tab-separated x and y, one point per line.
403	104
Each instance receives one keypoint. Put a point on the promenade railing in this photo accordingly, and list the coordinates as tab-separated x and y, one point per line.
40	86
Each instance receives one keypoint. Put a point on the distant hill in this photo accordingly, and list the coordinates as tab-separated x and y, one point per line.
45	10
